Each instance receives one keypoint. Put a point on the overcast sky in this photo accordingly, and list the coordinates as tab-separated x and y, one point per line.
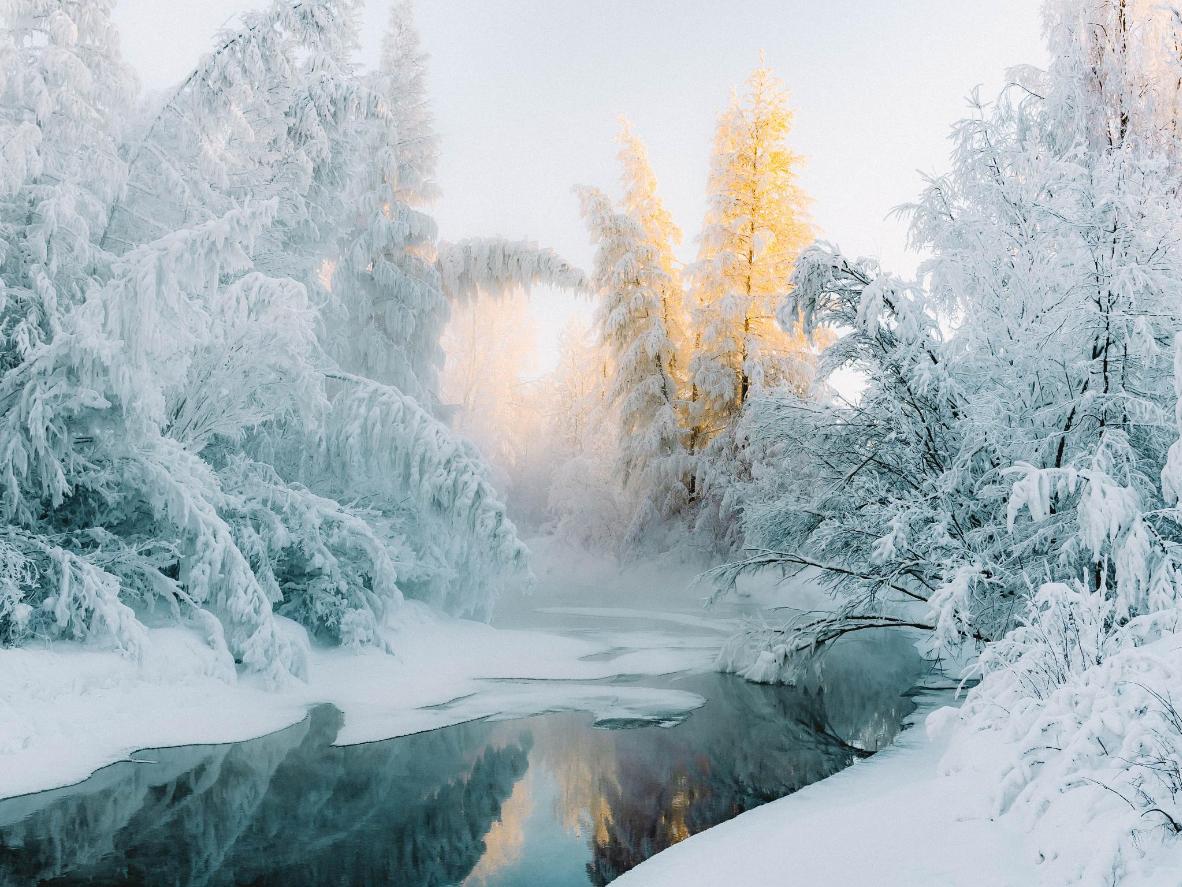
527	94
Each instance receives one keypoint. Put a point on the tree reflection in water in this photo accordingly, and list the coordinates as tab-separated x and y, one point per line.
290	809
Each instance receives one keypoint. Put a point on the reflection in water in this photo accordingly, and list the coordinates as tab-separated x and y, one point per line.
547	800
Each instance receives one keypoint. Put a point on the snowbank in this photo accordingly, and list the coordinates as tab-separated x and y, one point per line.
890	820
1075	728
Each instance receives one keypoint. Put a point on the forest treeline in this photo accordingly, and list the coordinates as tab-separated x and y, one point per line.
641	420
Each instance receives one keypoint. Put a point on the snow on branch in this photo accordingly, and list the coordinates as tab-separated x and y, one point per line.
492	265
378	439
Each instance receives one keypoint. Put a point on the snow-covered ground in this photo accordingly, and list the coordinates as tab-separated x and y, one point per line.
906	817
67	710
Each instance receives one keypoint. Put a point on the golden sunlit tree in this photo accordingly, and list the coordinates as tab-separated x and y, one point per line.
680	371
637	290
643	203
756	226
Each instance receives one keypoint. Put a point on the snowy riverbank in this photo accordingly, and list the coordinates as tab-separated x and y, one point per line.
890	820
68	709
913	814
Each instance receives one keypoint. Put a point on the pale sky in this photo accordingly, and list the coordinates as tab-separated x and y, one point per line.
527	94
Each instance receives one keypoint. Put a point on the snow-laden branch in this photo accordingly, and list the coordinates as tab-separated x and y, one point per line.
492	265
378	440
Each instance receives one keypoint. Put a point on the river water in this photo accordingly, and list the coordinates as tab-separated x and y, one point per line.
551	800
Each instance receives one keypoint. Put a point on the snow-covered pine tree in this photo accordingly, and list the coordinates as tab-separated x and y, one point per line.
633	291
63	79
755	227
391	304
382	445
845	484
270	115
668	467
643	203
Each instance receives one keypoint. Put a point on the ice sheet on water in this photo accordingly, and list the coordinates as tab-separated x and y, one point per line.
68	711
707	622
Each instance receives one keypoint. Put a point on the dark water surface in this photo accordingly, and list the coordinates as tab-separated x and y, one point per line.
547	801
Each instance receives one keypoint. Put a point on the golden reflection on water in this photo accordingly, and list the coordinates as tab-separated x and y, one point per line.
585	768
505	840
547	800
589	771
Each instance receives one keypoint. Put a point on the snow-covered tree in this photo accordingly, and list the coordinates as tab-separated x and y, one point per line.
643	203
652	434
755	228
977	465
390	308
1009	477
62	84
201	399
635	297
494	266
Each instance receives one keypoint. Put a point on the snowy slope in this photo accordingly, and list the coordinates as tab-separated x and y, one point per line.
891	820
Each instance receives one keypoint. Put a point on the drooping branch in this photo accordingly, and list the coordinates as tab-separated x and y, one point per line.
494	266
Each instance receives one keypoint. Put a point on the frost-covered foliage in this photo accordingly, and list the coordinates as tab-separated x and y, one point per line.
688	353
1009	479
636	299
491	265
755	228
219	332
1088	682
387	318
861	492
1025	445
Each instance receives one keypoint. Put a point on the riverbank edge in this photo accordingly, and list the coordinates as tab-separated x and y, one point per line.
70	709
893	820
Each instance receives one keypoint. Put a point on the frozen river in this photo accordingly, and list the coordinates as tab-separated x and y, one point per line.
554	799
547	800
